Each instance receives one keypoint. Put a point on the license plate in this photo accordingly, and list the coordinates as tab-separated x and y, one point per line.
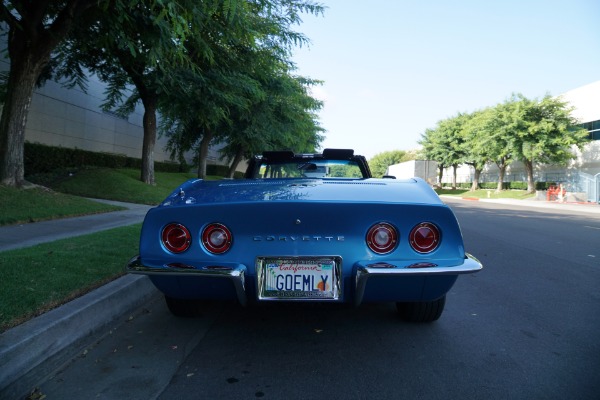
289	278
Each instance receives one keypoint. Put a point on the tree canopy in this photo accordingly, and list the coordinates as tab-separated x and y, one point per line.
197	64
529	130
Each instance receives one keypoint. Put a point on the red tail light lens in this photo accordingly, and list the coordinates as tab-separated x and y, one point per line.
425	237
382	238
216	238
176	238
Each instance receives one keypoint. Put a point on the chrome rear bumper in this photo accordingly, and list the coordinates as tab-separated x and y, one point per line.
364	271
234	272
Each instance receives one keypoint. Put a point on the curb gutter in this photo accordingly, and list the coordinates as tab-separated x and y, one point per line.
32	351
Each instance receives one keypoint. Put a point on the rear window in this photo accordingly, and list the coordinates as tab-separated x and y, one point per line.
338	169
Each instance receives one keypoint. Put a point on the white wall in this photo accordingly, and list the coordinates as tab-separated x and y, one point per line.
426	170
586	100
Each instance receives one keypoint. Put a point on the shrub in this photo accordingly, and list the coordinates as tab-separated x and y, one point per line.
488	185
40	158
517	185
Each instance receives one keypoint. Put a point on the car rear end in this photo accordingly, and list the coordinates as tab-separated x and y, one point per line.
354	242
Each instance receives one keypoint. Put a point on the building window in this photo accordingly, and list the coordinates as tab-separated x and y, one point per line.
593	128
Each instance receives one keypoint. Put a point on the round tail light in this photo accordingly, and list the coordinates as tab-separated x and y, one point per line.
216	238
425	237
176	238
382	238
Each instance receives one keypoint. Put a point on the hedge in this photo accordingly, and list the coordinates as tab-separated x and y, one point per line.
40	158
514	185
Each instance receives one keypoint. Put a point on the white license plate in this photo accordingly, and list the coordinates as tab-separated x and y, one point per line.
289	278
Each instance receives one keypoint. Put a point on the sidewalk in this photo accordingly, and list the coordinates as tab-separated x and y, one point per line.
25	235
32	351
591	208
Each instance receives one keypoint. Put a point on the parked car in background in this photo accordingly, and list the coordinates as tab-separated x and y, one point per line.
305	228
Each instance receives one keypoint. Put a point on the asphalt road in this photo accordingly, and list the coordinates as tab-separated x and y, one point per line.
526	327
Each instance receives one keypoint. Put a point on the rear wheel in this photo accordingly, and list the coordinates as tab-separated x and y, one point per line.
186	308
421	311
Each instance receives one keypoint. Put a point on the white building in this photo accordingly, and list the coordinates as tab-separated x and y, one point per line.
425	169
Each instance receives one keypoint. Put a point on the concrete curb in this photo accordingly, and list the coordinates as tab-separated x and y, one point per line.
31	352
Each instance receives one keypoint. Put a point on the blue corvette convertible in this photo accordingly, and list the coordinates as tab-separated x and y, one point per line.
305	227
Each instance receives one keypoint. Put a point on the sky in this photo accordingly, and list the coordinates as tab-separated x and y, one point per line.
393	68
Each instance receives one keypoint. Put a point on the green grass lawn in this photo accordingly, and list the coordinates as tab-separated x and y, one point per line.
114	184
30	205
63	194
39	278
487	194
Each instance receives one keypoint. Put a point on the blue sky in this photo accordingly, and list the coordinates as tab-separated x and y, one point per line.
392	68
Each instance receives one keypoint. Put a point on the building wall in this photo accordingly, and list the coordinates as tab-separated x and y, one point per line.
586	101
424	169
73	119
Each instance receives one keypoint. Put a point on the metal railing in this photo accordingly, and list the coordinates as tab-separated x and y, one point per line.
590	184
572	181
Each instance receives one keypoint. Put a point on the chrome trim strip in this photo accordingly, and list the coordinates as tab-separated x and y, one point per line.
235	272
363	272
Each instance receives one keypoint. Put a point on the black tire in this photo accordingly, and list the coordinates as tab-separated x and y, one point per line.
185	308
421	311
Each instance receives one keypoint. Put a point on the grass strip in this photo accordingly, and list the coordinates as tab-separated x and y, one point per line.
20	206
115	184
37	279
487	194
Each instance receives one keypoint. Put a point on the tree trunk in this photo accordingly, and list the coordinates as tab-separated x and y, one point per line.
239	154
476	176
29	53
440	175
30	43
149	123
24	72
203	152
529	168
454	168
501	173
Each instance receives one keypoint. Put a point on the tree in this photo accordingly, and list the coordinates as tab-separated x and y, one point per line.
213	93
250	101
35	29
444	144
135	54
284	118
455	152
548	135
474	136
380	162
501	125
432	149
282	114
